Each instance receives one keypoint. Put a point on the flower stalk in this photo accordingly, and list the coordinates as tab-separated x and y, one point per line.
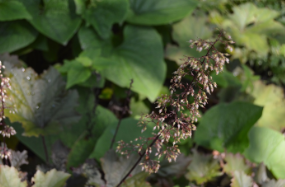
172	108
6	131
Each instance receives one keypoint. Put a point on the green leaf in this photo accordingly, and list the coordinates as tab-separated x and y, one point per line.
225	126
235	163
159	12
271	97
82	137
55	19
77	72
9	177
127	125
80	6
90	40
203	168
138	108
94	81
182	33
139	57
52	178
16	35
241	180
225	79
12	10
41	103
80	151
114	11
267	146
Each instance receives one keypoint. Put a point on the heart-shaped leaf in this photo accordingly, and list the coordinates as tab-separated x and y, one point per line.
225	126
103	14
139	57
267	146
15	35
158	12
55	19
12	10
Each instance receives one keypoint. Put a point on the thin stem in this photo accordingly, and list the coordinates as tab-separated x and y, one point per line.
45	148
138	161
125	110
114	137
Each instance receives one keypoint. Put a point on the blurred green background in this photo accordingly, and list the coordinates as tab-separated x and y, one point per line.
66	54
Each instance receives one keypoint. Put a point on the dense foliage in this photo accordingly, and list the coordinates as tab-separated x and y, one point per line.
78	75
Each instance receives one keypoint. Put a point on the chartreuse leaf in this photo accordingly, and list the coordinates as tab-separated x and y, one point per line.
40	103
250	26
203	168
139	57
12	10
240	179
159	12
182	33
9	177
271	97
235	162
225	126
52	178
55	19
15	35
267	146
114	11
126	125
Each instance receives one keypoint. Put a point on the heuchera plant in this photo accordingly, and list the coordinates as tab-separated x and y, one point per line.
171	119
6	131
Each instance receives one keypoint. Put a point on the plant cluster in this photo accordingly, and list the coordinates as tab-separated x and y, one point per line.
82	73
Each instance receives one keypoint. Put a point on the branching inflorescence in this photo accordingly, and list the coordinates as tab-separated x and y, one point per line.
171	119
5	130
